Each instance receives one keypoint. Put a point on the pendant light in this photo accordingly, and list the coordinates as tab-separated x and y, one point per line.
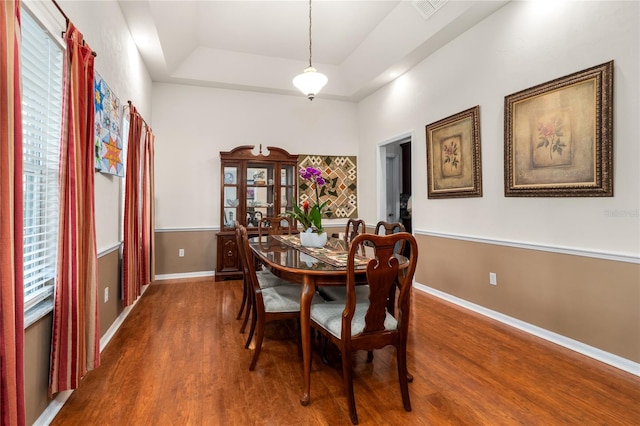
310	82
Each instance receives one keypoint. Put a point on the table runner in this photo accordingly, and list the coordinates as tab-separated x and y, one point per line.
332	256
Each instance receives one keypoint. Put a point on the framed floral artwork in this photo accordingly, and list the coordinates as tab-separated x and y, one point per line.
453	156
558	137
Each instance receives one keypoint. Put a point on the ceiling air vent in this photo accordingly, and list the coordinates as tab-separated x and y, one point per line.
428	7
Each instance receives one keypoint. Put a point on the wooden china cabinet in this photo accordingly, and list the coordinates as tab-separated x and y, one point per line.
252	186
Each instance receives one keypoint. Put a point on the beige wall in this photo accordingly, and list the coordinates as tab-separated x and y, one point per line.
37	337
109	277
37	350
594	301
187	159
199	251
507	52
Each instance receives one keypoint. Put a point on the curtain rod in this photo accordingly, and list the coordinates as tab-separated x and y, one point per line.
67	20
130	104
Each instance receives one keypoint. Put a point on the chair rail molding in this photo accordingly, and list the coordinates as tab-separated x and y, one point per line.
188	229
533	246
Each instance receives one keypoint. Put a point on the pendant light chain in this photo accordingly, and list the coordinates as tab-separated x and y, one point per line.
309	33
310	82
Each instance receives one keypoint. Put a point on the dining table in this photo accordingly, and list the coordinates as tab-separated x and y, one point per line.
310	267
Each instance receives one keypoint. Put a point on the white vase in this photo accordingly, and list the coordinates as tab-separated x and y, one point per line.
311	239
309	260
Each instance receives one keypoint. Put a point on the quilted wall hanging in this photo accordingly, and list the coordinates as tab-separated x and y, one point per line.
340	173
108	140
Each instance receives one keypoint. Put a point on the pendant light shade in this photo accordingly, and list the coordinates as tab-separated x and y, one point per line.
310	82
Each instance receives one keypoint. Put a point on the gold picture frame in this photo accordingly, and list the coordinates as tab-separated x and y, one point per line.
558	137
453	156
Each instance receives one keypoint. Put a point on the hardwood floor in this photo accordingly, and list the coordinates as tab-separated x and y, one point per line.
179	359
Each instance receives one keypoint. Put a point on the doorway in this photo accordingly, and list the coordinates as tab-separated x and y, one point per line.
395	186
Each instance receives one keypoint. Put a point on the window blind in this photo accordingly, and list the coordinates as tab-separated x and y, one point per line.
41	72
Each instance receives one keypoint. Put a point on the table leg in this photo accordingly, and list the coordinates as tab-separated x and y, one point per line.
308	290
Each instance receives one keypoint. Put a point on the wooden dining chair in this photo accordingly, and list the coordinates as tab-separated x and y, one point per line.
273	226
245	285
366	324
280	225
354	228
266	279
268	303
387	228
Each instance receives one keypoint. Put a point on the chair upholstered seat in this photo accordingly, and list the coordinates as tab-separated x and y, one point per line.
329	316
284	298
267	279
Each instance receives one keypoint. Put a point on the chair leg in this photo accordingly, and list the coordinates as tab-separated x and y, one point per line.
347	377
403	374
254	318
249	308
298	334
256	352
245	295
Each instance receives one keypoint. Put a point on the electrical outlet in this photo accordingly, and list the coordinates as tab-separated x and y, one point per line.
106	294
180	252
493	279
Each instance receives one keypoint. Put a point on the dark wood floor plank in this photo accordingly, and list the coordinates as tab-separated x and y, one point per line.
179	359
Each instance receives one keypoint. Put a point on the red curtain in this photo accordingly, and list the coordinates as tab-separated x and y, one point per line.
132	245
75	346
139	241
11	233
148	207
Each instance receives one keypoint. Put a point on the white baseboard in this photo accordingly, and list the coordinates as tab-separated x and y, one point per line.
53	408
185	275
584	349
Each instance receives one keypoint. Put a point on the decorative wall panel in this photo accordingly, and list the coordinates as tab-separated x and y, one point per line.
108	136
340	173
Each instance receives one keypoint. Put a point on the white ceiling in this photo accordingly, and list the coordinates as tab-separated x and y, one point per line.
261	45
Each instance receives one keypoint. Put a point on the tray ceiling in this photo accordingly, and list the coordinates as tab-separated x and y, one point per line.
261	45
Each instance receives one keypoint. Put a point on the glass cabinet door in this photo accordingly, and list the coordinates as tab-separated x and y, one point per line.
260	192
287	187
230	199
